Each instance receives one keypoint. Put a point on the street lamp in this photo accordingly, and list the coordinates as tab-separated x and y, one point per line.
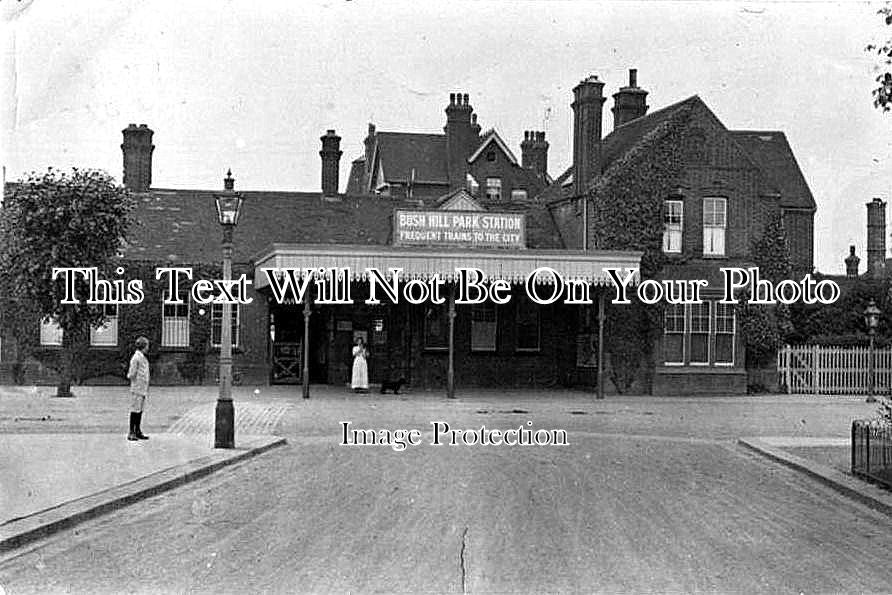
871	319
229	206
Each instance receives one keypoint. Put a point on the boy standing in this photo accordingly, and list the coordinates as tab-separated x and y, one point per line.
138	374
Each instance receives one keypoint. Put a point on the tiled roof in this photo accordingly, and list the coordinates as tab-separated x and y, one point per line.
180	226
769	151
616	144
772	153
400	152
624	137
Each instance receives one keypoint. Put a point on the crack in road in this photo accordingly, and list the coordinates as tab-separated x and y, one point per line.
463	561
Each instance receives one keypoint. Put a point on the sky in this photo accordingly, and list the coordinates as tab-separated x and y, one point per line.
228	85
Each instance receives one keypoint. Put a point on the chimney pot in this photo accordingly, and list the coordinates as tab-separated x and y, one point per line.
452	99
331	157
137	149
229	181
633	77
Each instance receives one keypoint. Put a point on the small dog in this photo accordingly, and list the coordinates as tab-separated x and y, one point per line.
394	385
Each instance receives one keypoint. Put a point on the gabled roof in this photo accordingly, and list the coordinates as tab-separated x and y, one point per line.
493	137
624	137
180	226
459	200
398	153
771	151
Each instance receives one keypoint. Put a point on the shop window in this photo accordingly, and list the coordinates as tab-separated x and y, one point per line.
436	327
700	333
494	188
216	323
106	334
379	332
673	211
673	334
725	329
518	194
50	333
714	224
483	327
527	325
175	325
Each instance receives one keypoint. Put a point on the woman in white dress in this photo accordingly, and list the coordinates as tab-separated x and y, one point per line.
360	378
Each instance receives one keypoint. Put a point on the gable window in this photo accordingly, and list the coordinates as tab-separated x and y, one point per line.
527	326
483	327
175	325
491	156
106	334
494	188
217	320
673	215
518	194
436	327
50	333
472	185
714	223
673	334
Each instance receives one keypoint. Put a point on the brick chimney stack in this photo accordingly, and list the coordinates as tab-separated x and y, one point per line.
588	101
629	102
852	262
331	158
460	138
534	152
137	148
876	238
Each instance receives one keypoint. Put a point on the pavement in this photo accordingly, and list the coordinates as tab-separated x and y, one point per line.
64	461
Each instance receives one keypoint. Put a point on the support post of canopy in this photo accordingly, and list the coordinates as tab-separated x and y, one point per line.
601	344
306	363
450	371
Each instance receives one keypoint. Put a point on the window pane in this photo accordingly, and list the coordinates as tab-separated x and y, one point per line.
714	241
724	349
483	327
673	334
217	318
673	349
494	188
724	333
672	225
699	348
527	325
50	332
436	327
518	194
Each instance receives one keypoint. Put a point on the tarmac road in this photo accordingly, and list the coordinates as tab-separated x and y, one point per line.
655	511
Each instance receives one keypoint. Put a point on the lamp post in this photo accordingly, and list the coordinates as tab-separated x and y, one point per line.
871	319
228	207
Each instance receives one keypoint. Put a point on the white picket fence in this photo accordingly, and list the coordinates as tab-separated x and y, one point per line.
819	369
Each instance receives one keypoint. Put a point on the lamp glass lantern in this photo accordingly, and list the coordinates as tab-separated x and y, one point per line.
229	208
872	316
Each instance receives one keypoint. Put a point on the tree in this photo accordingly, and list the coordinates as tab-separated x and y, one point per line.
58	219
882	93
766	327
